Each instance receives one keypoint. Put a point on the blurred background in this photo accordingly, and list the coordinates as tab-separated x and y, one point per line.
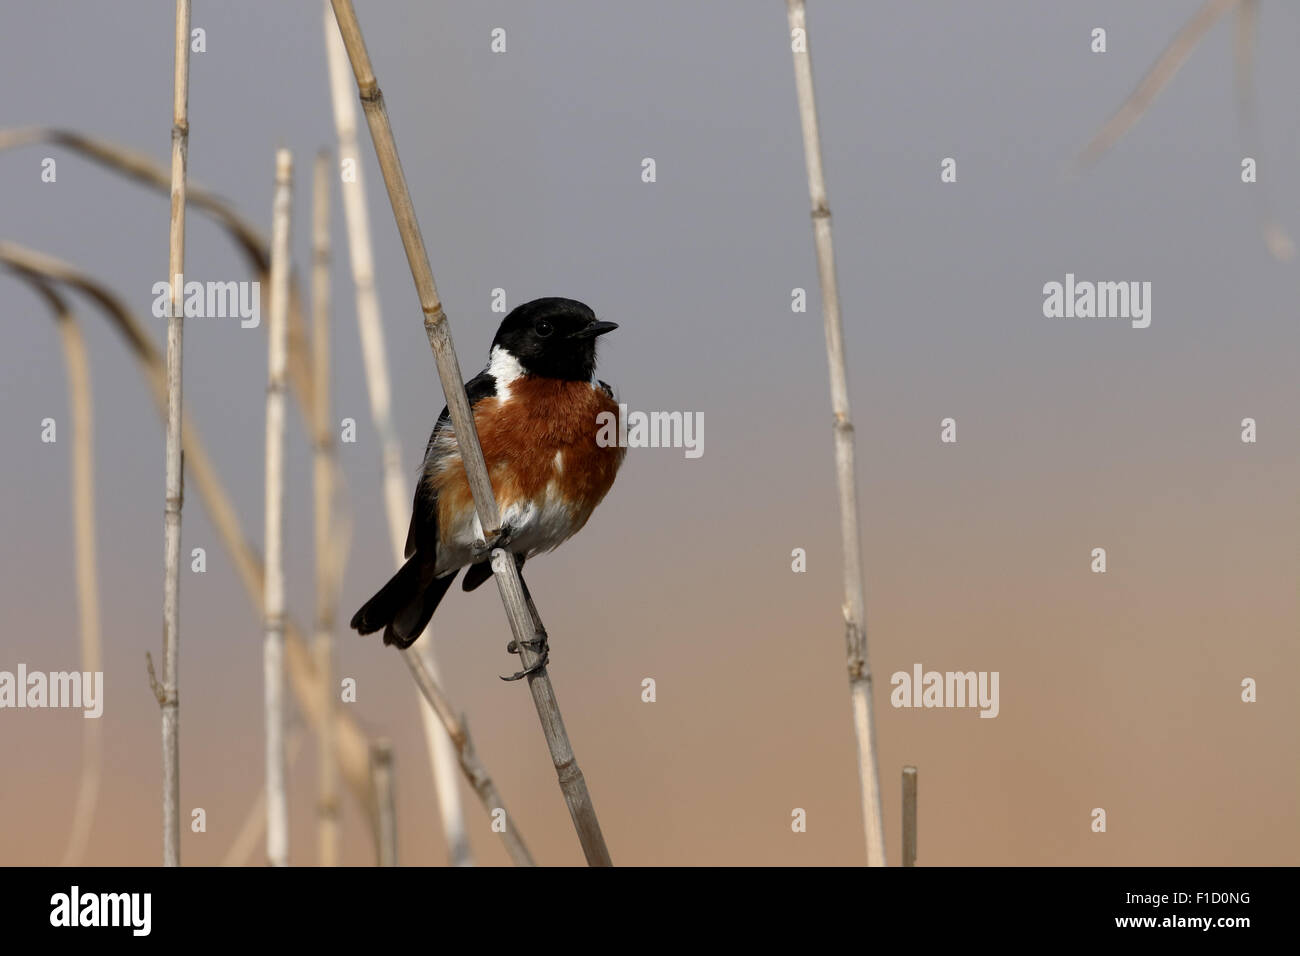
1120	691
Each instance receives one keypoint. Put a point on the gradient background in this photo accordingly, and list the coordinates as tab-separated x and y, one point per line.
1119	691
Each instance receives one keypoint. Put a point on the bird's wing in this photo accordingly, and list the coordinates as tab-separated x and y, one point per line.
424	510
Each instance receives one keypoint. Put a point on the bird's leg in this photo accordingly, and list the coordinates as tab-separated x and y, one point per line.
482	550
539	644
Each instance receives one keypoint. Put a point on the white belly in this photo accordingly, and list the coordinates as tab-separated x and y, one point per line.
536	525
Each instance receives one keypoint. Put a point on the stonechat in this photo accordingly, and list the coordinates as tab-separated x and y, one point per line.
535	407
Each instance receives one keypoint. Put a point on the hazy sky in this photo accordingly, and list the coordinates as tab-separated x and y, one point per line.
1119	691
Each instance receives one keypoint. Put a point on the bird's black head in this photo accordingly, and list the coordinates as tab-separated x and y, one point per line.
553	338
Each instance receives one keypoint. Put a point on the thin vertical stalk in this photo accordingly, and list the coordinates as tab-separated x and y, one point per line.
83	516
475	773
327	570
909	816
168	692
250	834
370	326
277	803
251	242
526	625
83	523
572	783
352	747
855	633
381	769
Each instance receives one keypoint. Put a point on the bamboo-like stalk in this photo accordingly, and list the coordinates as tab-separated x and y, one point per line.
168	699
572	782
375	358
909	816
352	748
83	515
381	768
87	577
277	800
1166	65
252	243
855	632
327	571
253	829
370	326
477	775
255	246
526	625
1280	244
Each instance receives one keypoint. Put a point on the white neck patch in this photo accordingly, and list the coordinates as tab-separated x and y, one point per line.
505	368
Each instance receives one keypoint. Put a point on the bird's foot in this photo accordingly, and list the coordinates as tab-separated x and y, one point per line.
482	550
538	646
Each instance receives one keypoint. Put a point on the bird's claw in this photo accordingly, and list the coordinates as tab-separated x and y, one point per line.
539	647
482	549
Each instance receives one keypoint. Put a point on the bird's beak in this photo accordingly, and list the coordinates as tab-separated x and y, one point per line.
593	330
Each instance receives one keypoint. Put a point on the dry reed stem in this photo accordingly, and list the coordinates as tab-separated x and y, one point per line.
909	816
352	748
254	245
253	829
1279	243
1161	72
572	783
170	688
87	575
374	355
475	773
327	563
381	771
845	470
277	800
525	624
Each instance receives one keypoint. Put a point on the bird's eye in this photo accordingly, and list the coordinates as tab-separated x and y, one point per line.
544	328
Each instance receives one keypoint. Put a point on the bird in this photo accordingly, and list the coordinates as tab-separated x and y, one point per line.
536	406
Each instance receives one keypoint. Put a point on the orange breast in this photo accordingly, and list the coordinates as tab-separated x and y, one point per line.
545	433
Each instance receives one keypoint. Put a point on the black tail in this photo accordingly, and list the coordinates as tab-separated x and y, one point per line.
405	604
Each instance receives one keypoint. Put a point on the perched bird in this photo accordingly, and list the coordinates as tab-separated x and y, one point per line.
535	407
